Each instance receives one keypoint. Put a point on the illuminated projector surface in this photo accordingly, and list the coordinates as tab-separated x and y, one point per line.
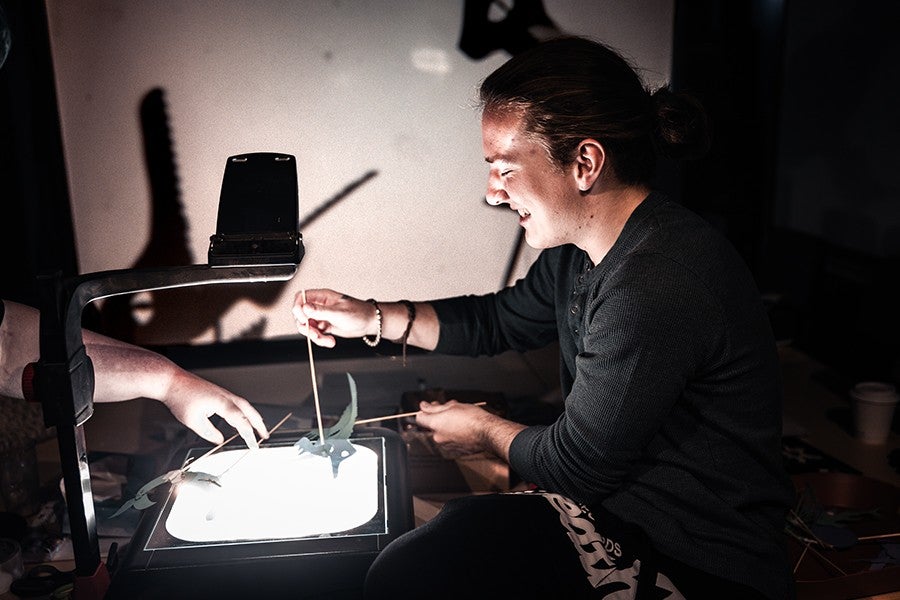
274	493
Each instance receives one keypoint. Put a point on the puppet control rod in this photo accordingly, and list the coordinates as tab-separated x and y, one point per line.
256	240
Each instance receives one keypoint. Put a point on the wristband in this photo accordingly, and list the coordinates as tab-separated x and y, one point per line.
411	316
370	341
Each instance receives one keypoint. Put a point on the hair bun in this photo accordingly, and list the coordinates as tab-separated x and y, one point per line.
682	125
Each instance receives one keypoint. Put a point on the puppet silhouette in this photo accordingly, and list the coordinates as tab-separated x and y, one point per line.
523	25
174	316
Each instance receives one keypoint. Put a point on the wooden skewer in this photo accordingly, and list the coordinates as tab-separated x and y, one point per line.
225	443
802	524
799	560
883	536
280	423
192	461
271	431
400	416
312	372
825	558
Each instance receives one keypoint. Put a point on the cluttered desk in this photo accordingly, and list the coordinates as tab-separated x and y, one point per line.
138	439
844	463
819	414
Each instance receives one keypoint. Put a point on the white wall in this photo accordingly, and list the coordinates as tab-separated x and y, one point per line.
345	86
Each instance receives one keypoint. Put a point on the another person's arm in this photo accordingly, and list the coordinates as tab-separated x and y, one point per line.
124	371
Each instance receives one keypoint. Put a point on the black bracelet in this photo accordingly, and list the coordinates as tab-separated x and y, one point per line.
374	341
411	316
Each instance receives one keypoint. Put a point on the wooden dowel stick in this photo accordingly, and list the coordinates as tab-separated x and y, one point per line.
189	462
883	536
312	372
799	560
193	460
825	558
280	423
242	456
400	416
220	446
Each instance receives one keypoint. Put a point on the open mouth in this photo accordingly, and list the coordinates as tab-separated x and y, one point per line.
524	217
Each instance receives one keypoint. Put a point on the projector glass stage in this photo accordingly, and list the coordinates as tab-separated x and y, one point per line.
274	494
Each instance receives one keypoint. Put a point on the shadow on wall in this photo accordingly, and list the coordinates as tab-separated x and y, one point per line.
150	317
166	317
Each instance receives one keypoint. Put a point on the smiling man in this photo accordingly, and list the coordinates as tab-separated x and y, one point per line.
663	476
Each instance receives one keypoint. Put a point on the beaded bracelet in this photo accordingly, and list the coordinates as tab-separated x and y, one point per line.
411	316
374	341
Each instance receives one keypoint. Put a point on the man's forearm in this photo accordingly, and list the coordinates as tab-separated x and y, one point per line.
425	329
498	434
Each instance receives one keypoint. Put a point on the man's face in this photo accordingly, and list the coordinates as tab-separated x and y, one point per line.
522	176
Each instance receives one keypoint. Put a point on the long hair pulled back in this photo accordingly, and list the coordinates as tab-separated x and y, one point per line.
571	88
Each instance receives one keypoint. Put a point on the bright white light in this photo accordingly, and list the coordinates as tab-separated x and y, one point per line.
430	60
274	493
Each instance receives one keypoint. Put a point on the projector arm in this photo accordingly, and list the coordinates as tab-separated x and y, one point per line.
259	191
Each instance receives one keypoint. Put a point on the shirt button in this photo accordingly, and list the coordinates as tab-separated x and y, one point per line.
575	308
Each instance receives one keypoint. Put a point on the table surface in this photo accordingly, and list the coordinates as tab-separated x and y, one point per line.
817	414
809	408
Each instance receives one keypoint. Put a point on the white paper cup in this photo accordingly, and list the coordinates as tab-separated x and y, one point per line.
873	410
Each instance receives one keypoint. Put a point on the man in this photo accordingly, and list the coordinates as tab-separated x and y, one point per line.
663	476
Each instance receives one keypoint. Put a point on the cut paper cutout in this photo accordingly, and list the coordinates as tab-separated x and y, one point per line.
142	499
336	443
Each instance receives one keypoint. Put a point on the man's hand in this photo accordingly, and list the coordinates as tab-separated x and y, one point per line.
328	314
468	428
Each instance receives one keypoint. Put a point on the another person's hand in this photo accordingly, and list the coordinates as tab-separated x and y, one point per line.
329	313
192	400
